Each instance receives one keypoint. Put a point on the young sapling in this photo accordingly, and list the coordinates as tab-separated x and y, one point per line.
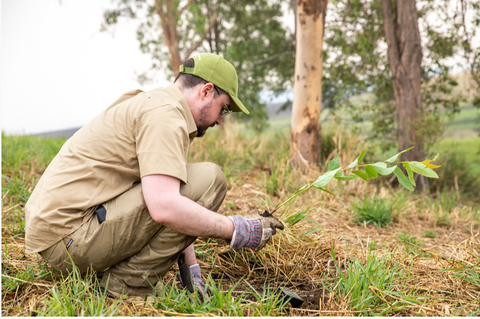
370	171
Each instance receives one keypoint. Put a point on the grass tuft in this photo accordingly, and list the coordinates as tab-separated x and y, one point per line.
369	286
77	296
374	211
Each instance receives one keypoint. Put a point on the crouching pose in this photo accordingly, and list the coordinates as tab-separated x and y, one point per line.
120	197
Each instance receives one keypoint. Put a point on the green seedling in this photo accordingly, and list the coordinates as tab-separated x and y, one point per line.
370	171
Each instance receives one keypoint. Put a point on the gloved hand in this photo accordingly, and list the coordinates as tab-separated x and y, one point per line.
254	230
197	281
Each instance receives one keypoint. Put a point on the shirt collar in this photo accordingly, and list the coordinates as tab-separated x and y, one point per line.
178	95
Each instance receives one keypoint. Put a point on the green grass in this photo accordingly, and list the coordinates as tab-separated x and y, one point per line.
429	234
77	296
285	261
441	206
368	285
412	245
374	211
28	153
467	119
219	302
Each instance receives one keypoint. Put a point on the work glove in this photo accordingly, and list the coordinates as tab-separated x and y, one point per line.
197	281
254	230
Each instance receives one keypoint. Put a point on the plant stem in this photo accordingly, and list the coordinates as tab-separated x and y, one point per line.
303	189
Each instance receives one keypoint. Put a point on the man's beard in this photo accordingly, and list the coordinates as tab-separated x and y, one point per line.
202	126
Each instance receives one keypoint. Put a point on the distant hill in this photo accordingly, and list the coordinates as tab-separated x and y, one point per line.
62	133
271	108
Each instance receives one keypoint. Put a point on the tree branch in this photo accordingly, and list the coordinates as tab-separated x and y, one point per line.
273	57
389	27
207	29
180	11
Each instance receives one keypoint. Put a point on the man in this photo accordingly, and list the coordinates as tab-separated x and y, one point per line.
120	197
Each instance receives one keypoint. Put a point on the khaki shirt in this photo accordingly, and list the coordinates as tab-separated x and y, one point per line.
142	133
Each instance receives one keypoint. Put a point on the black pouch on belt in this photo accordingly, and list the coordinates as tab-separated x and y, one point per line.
101	214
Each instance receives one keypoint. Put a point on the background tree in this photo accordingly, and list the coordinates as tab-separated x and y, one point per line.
248	33
307	90
400	22
356	64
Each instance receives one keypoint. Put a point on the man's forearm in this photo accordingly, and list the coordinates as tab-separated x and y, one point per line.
188	217
168	207
190	257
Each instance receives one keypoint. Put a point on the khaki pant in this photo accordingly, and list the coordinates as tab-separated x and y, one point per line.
136	249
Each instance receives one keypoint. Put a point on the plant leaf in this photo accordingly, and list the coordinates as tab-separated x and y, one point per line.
371	172
355	162
428	163
403	179
334	163
346	178
326	190
422	169
394	157
361	174
383	170
325	178
410	173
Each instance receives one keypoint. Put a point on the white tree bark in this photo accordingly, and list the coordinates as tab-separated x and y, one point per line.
305	126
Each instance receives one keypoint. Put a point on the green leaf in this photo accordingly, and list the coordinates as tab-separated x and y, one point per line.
371	171
361	174
355	162
410	173
346	178
421	169
325	178
394	158
327	191
403	179
382	169
334	163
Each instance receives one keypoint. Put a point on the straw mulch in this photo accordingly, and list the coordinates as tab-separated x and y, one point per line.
302	262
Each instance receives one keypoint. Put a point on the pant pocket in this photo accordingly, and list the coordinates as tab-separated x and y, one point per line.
59	257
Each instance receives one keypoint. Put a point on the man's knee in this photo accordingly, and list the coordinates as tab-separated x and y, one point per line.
206	185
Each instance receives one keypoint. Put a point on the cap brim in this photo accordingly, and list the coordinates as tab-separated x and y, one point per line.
237	105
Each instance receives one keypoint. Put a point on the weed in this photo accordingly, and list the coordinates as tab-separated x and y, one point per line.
457	173
269	303
470	273
411	244
217	302
374	210
442	206
429	233
76	297
368	286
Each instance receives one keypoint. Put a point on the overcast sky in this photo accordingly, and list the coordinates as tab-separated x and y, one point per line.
58	71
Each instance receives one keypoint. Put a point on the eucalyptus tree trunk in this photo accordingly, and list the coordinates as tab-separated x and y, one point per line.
307	90
400	22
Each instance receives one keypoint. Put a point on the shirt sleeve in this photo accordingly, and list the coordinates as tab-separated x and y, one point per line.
162	143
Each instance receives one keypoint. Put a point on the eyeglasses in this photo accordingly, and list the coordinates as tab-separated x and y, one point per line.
225	110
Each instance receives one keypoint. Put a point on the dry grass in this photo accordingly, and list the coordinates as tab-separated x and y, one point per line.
259	177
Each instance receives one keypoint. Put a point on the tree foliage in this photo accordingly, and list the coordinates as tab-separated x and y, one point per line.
248	33
356	61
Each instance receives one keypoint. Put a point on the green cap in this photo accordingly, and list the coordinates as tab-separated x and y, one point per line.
218	71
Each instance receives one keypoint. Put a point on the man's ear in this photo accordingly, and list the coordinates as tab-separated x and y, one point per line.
206	90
